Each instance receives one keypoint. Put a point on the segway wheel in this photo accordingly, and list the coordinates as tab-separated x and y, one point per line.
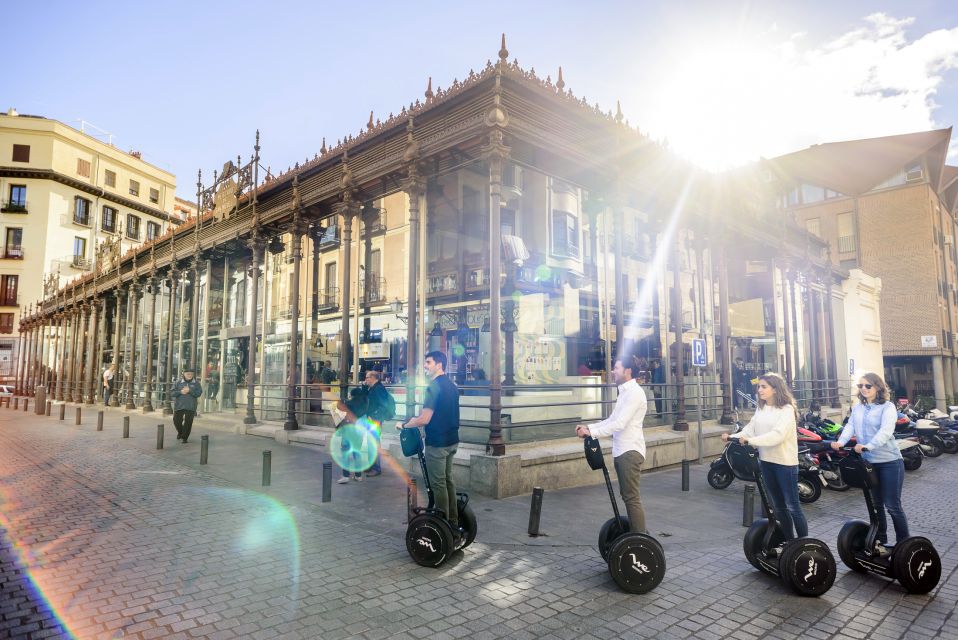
807	566
912	462
467	520
429	539
851	540
916	564
753	541
637	562
720	478
808	491
611	530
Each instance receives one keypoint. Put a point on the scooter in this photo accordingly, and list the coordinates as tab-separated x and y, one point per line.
804	564
825	458
914	561
430	538
811	479
636	560
947	428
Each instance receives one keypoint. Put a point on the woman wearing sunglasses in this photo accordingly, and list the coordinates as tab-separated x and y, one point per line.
872	424
772	430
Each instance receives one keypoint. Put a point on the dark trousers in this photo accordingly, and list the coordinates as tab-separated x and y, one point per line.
183	421
891	477
782	484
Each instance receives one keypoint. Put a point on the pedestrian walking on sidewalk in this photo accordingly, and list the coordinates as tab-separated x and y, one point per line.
772	430
184	407
628	440
440	418
108	376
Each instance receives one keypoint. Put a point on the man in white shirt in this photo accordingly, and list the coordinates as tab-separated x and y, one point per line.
628	441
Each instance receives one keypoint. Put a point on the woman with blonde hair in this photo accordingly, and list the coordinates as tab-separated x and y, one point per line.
872	425
772	430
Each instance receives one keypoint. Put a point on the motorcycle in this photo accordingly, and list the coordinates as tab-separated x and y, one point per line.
947	428
825	458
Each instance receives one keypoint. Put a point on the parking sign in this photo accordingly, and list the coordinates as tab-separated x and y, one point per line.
699	354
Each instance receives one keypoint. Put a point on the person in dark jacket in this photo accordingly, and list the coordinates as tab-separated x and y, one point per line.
186	391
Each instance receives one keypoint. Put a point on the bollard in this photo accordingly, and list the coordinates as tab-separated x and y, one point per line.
16	403
327	481
412	499
267	461
99	421
49	406
748	506
159	436
26	404
204	449
79	416
685	475
535	510
126	426
63	411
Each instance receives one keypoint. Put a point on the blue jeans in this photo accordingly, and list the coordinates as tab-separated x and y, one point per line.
891	477
782	484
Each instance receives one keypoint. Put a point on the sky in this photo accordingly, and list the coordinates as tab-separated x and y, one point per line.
721	82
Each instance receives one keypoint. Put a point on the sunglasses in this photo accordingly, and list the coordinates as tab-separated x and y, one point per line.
865	386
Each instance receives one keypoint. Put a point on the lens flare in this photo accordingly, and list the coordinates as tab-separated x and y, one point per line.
355	446
543	273
458	350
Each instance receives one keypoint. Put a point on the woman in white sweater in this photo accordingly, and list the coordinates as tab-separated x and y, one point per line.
772	430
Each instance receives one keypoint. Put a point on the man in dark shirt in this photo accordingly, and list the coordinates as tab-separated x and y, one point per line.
440	417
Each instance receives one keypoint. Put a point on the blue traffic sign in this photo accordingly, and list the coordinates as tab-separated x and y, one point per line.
699	353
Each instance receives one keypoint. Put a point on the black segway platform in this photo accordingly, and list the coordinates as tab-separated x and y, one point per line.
430	539
914	561
804	564
636	560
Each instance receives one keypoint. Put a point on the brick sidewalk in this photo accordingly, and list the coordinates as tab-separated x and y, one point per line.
127	541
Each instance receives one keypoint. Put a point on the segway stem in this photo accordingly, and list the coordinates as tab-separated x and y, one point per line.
608	485
425	478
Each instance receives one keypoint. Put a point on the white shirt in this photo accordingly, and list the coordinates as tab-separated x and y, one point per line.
772	430
107	375
625	423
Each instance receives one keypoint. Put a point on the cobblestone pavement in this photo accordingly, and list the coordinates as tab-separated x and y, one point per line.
108	538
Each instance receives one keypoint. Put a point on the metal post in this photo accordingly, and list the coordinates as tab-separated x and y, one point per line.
204	449
412	499
26	404
79	417
267	462
99	421
148	391
748	506
49	406
126	426
159	436
685	475
701	437
174	276
327	481
16	403
134	302
535	510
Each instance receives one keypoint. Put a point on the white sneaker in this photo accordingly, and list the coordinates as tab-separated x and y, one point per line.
358	478
343	480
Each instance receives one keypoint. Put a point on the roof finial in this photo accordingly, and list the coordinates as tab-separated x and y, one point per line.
322	149
429	93
560	83
503	52
370	124
618	112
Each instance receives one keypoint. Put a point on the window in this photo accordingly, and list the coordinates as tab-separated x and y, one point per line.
565	234
21	153
8	290
79	248
108	223
154	195
913	172
17	203
81	212
330	275
83	167
132	227
109	178
846	233
134	188
814	226
6	323
13	248
152	230
811	193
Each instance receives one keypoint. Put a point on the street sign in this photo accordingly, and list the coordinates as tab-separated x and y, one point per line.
699	353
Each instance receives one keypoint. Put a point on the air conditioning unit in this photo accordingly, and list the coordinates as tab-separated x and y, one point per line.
949	239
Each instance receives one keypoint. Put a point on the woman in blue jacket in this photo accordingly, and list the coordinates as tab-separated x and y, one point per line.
872	424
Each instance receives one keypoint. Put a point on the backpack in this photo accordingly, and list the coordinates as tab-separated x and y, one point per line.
389	410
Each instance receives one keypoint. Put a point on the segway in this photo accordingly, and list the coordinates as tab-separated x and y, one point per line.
914	562
636	560
430	539
804	564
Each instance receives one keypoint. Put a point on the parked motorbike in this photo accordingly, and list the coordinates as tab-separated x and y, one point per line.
947	428
825	458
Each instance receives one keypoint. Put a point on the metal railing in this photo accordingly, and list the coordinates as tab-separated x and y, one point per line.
329	237
327	299
372	290
846	244
15	206
12	252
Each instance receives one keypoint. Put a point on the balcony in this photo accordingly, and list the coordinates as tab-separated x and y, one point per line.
374	223
442	284
373	290
12	252
79	219
327	299
14	206
846	244
77	262
10	301
328	237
